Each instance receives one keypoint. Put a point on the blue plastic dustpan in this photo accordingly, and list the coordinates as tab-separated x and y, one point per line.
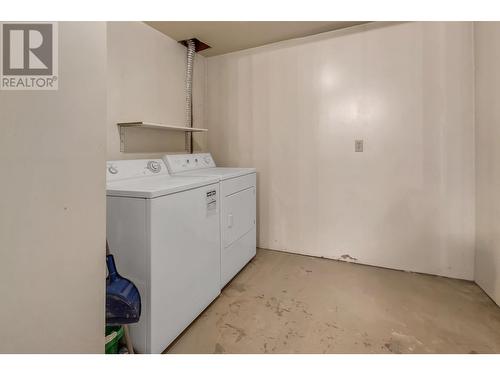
123	301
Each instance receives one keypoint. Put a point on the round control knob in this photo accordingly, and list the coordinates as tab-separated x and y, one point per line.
154	166
112	169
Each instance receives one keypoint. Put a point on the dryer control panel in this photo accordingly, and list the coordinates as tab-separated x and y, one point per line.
188	162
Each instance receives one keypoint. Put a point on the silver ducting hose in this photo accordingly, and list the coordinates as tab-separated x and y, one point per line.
189	94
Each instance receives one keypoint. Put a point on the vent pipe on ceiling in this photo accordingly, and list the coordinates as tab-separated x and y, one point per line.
191	49
193	45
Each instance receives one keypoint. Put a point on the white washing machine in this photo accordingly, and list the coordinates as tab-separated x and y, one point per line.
238	207
164	232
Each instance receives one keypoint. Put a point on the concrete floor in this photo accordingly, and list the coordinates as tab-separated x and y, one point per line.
287	303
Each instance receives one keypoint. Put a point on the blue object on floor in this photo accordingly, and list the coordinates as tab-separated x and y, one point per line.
123	301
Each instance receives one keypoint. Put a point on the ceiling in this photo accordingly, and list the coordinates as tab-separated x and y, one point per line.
225	37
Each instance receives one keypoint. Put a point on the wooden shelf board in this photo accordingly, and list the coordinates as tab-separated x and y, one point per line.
152	125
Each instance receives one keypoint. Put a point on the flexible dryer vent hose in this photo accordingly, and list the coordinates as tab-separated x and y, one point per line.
189	94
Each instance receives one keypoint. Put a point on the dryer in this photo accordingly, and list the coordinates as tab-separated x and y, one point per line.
165	234
238	207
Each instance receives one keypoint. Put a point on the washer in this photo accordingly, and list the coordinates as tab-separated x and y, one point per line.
238	205
165	234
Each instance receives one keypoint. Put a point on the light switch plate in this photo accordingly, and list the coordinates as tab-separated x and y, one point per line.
358	145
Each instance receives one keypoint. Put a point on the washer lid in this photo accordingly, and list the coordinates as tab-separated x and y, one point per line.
152	187
147	179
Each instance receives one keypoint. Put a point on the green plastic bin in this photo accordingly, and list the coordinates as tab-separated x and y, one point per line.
113	337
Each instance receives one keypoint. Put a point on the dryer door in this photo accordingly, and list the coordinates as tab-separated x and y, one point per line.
238	215
238	231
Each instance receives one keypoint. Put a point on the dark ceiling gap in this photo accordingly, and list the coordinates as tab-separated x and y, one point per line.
198	44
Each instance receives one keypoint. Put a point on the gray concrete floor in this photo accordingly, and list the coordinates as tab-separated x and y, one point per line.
287	303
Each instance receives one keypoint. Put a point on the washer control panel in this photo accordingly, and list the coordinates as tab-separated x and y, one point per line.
122	169
188	162
154	166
